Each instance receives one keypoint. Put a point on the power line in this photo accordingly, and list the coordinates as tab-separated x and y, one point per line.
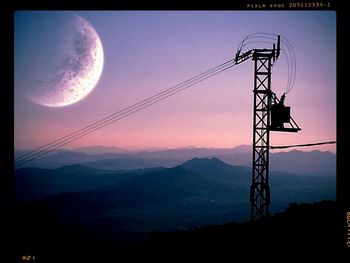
301	145
129	108
56	144
47	148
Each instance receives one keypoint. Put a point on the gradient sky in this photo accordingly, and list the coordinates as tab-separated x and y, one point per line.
147	52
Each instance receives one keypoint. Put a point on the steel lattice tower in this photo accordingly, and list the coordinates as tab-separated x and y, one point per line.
260	189
270	114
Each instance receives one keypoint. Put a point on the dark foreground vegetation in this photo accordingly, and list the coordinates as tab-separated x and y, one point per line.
302	231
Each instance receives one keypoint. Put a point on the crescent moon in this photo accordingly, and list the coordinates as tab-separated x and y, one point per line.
77	72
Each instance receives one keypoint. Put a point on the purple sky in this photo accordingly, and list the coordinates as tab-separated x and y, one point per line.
147	52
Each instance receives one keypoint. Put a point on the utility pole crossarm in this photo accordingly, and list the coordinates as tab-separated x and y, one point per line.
274	53
243	57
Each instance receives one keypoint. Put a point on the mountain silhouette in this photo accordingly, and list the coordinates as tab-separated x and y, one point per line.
298	162
209	177
202	190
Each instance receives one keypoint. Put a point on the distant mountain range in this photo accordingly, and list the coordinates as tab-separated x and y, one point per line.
83	205
111	158
91	207
206	190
